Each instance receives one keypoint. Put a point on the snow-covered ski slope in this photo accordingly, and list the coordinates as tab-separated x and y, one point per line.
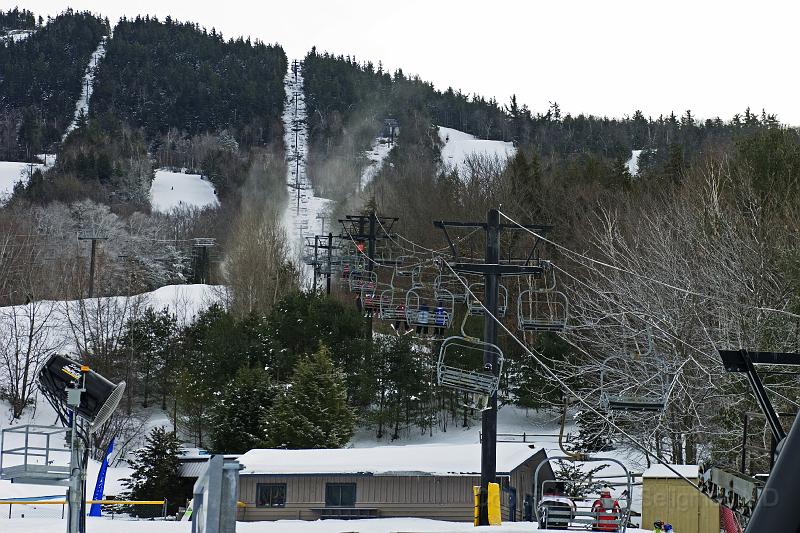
459	146
633	162
379	150
176	189
60	320
87	85
302	217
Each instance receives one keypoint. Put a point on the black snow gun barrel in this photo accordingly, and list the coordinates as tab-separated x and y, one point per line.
99	399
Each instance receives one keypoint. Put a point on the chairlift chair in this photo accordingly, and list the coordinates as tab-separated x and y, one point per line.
542	310
423	311
450	283
360	279
476	299
392	305
371	295
636	396
482	381
579	505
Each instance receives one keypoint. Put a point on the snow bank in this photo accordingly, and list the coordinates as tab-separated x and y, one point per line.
441	459
87	85
458	146
175	189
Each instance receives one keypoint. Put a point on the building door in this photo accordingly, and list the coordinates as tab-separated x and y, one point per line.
512	504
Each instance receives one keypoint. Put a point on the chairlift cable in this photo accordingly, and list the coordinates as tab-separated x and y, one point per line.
683	290
565	386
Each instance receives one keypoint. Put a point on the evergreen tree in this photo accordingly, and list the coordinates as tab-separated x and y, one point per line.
313	412
594	434
239	415
155	472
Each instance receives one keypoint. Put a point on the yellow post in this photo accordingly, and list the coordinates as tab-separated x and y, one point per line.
495	516
476	492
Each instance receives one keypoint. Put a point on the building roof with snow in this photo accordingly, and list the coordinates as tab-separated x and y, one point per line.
662	472
413	460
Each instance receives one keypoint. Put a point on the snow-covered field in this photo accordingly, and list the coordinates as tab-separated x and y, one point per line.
458	146
176	189
87	85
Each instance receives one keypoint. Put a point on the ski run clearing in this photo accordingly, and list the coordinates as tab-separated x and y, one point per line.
303	216
458	147
87	85
171	190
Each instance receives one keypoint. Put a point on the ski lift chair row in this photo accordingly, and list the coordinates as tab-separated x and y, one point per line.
542	311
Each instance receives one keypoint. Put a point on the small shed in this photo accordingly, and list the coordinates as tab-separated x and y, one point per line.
667	497
422	481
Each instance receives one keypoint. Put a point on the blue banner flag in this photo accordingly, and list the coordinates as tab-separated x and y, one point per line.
101	481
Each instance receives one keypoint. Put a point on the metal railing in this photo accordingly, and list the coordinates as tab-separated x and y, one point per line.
56	508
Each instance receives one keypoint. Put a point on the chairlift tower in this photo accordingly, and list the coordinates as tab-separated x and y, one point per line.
364	228
87	235
492	269
202	262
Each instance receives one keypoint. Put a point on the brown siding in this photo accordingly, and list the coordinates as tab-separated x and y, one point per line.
437	497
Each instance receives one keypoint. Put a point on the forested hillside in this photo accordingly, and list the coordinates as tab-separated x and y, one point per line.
16	19
40	80
162	75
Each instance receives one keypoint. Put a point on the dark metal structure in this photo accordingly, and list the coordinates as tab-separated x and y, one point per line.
492	269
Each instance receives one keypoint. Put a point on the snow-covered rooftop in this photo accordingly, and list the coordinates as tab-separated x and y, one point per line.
428	459
661	471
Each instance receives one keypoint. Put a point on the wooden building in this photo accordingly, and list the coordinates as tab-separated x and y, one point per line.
668	498
422	481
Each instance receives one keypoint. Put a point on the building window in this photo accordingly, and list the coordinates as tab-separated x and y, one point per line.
340	495
271	495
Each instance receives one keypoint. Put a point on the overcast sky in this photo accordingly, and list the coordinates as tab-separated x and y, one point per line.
605	57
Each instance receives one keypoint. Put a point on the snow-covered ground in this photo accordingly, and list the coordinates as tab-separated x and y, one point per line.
302	217
186	301
633	162
381	147
87	85
458	146
12	172
176	189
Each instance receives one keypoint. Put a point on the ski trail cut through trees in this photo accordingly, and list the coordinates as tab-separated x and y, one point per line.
303	214
87	85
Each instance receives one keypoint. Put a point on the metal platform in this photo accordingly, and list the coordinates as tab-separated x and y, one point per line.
33	461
